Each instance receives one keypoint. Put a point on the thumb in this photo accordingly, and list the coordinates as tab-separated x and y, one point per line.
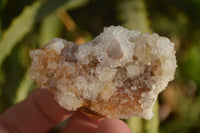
36	114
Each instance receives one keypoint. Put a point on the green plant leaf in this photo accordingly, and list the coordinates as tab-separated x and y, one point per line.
135	124
190	67
24	88
133	15
19	27
151	126
51	27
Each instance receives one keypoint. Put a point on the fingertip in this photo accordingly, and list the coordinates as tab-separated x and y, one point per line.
48	105
81	123
3	129
113	126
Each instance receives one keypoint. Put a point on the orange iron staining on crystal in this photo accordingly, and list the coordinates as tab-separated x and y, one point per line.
119	74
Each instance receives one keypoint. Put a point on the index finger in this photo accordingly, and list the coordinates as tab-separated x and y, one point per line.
36	114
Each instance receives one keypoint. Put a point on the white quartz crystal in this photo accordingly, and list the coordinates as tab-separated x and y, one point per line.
119	74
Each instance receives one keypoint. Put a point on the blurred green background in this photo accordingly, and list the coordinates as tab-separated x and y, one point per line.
30	24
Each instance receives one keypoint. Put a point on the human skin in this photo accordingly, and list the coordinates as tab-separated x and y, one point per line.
40	112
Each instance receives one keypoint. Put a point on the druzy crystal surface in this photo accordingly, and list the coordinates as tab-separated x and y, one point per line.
119	74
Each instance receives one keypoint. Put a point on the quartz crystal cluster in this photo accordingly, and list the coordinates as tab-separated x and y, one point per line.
119	74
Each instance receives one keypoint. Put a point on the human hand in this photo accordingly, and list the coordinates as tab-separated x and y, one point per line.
40	112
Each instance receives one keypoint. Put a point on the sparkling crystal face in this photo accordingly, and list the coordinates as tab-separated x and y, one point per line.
119	74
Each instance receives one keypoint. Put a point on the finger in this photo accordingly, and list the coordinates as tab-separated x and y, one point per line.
80	123
3	129
36	114
113	126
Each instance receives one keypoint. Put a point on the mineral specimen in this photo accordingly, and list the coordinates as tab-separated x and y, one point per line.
119	74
